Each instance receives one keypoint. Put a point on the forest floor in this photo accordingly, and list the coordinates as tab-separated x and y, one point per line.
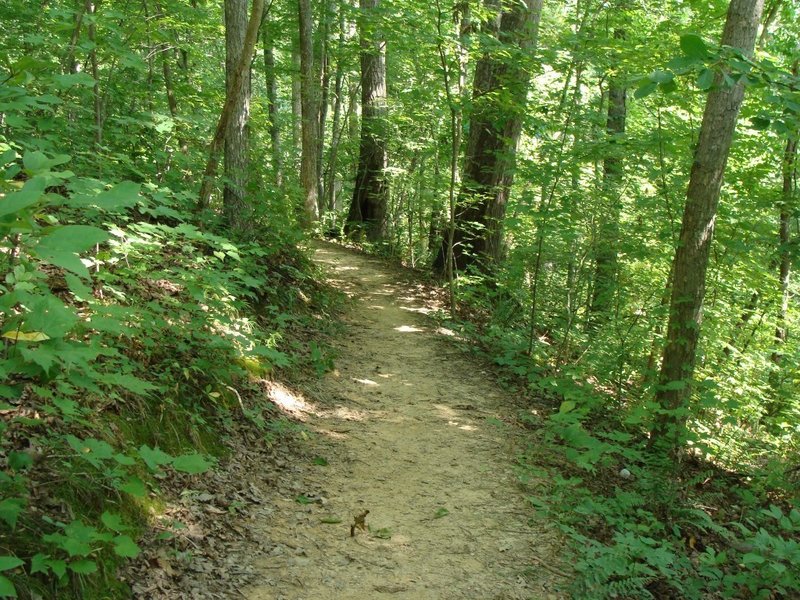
413	429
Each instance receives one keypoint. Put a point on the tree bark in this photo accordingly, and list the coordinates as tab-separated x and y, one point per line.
697	231
789	174
370	196
237	138
499	97
70	64
297	103
309	176
232	113
605	278
325	84
272	100
91	9
338	88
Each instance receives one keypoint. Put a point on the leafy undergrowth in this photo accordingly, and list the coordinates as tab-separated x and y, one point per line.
644	523
136	347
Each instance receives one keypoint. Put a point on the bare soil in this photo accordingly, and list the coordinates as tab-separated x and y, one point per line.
419	433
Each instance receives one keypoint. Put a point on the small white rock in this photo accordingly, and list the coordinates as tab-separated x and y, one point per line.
625	474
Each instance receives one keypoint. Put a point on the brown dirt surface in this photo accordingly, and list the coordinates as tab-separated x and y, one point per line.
416	431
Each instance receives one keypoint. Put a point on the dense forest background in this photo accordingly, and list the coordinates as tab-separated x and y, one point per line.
607	189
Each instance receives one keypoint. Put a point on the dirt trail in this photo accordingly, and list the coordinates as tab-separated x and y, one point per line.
412	431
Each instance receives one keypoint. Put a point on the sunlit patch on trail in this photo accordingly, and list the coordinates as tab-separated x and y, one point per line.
365	381
408	329
418	309
288	401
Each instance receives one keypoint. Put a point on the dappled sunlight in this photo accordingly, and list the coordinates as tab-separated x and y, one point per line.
377	307
418	309
365	381
453	418
348	414
288	401
408	329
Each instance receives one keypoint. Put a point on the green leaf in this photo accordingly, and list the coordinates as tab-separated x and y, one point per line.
647	88
134	486
30	194
39	564
124	460
60	246
70	79
441	512
51	316
35	162
133	383
694	46
77	287
19	460
751	558
331	520
124	546
122	195
760	123
59	567
7	589
10	509
10	562
191	463
113	522
154	457
706	79
320	461
662	76
83	567
567	406
384	533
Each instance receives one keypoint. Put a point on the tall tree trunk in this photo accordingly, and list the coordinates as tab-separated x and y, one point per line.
70	64
272	100
371	193
232	112
338	88
499	97
605	278
325	84
237	135
169	87
789	175
91	9
297	102
697	231
309	176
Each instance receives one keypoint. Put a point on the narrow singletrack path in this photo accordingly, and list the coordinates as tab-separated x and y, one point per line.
417	432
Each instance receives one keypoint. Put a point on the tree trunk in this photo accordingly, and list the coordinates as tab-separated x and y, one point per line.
325	84
338	88
272	100
605	278
789	171
70	64
237	80
691	257
309	176
91	8
297	103
371	193
499	97
237	138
